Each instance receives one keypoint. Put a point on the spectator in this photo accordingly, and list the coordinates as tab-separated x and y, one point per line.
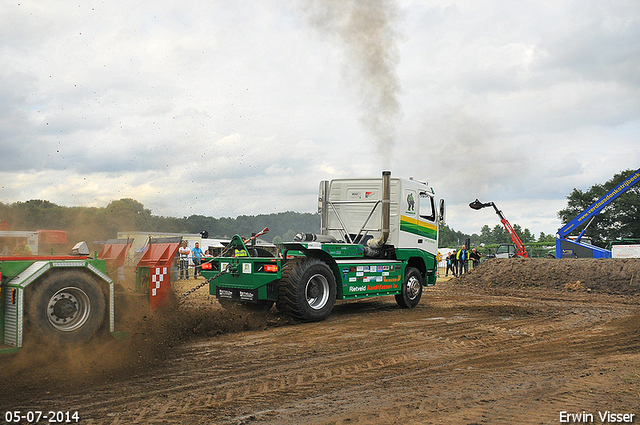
450	257
184	260
22	249
454	262
475	257
463	258
196	255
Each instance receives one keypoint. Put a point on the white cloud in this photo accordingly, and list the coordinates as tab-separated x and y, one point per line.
242	108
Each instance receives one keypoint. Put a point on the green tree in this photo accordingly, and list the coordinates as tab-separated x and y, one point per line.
289	235
37	214
526	236
619	219
126	214
485	235
499	234
546	238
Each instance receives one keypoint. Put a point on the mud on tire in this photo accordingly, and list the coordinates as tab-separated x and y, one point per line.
66	307
307	290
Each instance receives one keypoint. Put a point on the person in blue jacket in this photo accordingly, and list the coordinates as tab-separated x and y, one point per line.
196	257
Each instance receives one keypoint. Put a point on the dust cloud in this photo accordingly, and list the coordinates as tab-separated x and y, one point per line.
42	368
365	28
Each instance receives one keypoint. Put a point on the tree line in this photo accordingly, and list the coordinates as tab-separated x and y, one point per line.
620	219
489	236
95	224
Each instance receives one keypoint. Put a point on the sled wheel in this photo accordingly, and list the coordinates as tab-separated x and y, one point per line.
67	307
307	290
411	291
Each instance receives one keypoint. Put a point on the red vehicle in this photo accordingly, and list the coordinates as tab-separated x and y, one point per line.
519	250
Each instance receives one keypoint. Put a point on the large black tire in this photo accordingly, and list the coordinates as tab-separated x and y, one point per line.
66	307
307	290
411	292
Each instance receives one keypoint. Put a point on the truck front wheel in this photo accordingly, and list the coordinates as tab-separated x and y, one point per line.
307	289
411	292
66	307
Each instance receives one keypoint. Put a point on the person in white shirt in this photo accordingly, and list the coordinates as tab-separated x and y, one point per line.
184	252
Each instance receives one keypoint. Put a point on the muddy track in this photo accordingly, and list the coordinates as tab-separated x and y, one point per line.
464	355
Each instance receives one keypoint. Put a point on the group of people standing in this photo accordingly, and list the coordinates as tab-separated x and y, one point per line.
458	261
187	254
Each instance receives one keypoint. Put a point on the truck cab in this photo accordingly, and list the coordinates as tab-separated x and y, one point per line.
352	212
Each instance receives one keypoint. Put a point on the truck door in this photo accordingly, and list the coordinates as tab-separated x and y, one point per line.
418	228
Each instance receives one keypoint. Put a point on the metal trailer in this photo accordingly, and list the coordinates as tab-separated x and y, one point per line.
114	252
43	242
378	237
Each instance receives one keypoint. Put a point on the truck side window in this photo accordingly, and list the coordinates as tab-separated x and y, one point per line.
427	207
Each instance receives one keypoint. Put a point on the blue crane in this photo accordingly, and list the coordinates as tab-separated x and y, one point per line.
566	248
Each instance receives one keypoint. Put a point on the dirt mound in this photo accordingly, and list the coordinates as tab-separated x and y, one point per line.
619	276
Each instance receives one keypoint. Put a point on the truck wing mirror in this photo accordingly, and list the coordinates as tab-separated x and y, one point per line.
442	212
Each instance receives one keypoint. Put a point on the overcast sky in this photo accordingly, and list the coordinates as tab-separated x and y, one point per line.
224	108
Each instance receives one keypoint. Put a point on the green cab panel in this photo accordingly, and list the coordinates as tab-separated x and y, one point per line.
422	260
362	278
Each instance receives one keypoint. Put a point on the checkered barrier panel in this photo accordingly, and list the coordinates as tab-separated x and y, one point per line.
159	287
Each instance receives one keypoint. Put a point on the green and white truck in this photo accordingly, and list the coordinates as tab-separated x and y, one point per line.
378	237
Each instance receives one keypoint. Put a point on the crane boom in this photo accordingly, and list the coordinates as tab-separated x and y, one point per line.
521	251
598	205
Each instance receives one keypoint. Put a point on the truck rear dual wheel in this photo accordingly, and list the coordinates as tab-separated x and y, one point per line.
411	292
66	307
307	289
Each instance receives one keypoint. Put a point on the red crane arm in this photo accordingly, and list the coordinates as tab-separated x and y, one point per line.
522	252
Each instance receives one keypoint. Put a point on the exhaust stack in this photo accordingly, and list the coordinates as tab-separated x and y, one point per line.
386	212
